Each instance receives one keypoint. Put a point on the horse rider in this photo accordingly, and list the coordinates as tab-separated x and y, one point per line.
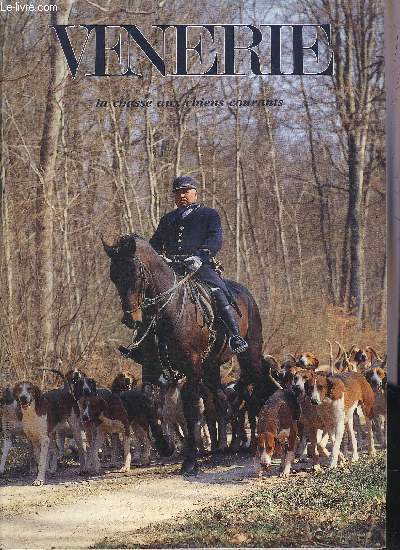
193	232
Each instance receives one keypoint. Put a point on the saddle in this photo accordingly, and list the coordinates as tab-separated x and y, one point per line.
202	296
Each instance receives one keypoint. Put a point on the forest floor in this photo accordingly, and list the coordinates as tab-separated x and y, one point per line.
156	506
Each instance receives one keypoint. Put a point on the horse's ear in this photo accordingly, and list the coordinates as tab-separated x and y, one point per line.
109	250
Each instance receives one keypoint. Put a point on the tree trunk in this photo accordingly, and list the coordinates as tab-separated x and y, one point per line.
356	291
122	188
382	313
262	269
323	204
237	185
200	161
279	205
44	193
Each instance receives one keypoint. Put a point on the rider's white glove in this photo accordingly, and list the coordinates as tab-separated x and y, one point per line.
193	263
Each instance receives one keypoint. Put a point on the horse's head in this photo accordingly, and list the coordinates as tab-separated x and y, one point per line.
128	275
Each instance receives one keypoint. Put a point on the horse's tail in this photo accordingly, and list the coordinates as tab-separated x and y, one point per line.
162	443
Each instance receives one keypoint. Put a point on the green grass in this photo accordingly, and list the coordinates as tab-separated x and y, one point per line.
343	507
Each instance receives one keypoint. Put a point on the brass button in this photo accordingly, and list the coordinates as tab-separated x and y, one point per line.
182	227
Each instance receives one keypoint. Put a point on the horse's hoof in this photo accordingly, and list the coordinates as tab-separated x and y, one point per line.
189	467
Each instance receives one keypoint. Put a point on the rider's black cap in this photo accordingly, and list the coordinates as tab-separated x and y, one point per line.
184	182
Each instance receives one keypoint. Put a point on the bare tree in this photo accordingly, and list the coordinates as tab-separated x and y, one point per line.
45	189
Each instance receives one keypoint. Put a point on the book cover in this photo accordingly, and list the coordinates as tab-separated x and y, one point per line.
249	133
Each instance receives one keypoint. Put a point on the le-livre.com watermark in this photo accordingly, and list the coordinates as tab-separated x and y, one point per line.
23	7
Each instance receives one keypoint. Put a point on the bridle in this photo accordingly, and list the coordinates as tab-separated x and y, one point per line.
144	302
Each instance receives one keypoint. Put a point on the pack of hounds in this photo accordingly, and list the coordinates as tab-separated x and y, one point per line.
313	412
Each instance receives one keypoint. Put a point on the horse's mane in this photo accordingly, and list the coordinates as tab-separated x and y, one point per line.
132	244
129	241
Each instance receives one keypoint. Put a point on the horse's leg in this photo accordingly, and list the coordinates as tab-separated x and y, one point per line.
205	435
211	419
251	373
190	397
253	426
235	429
222	409
242	429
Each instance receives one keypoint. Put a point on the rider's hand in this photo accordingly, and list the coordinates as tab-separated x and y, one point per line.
193	263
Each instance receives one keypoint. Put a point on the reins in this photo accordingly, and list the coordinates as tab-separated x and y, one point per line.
152	301
147	302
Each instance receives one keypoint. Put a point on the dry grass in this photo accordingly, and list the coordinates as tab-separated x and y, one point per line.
340	508
305	329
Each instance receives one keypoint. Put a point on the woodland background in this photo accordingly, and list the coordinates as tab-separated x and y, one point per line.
300	188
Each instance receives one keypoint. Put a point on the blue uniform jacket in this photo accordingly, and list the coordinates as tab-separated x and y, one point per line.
197	234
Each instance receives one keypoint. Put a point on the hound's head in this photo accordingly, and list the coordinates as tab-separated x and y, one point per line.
377	378
26	393
73	375
299	380
91	408
359	356
308	360
320	388
266	443
74	380
84	387
268	446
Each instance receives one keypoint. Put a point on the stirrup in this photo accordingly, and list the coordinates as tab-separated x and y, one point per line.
237	343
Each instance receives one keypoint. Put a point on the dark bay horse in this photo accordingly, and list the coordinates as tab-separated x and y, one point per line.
153	300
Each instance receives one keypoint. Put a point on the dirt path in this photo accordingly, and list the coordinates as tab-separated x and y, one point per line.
74	513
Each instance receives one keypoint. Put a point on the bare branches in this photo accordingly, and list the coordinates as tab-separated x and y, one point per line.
108	9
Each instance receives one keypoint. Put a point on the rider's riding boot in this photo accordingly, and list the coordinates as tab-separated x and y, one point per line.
236	342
